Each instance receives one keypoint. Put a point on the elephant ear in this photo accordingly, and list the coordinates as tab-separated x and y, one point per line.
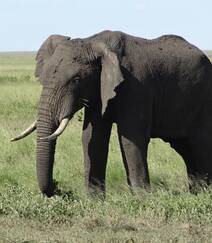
46	50
111	75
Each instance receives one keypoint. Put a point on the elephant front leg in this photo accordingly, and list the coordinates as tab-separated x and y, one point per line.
134	142
95	139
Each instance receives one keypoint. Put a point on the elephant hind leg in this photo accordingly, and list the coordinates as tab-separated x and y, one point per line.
201	146
197	155
184	149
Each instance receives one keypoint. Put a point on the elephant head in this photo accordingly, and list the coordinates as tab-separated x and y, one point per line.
71	73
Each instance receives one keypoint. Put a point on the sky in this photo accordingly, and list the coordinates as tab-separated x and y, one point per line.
25	24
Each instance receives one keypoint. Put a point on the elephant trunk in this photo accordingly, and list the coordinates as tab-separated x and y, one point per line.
45	157
45	150
52	121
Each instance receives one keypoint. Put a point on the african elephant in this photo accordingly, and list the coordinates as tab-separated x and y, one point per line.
149	88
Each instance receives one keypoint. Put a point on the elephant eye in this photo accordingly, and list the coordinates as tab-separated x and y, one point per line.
75	80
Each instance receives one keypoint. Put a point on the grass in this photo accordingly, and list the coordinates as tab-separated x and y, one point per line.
168	213
209	53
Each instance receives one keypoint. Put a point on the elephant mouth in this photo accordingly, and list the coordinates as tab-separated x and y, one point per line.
61	128
65	120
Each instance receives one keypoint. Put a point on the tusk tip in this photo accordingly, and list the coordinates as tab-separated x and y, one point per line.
13	139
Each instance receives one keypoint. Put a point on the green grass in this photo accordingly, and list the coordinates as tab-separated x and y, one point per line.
209	54
168	213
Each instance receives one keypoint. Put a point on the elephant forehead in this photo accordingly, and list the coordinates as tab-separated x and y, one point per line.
64	64
62	71
69	53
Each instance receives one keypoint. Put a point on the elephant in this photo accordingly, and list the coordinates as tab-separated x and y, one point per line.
150	88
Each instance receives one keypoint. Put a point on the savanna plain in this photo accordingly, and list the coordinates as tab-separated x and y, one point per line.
166	213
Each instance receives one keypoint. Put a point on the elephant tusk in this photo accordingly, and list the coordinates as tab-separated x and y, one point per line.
25	133
58	132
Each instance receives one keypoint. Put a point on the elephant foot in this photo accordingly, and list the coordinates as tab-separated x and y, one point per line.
49	190
96	192
139	190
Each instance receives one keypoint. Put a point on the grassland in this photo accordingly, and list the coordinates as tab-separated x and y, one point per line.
168	213
209	54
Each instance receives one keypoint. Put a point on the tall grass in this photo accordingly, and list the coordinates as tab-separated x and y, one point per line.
168	213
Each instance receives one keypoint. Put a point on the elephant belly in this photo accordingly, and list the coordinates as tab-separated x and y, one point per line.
175	114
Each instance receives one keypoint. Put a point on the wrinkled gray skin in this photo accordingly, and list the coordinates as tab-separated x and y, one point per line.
149	88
